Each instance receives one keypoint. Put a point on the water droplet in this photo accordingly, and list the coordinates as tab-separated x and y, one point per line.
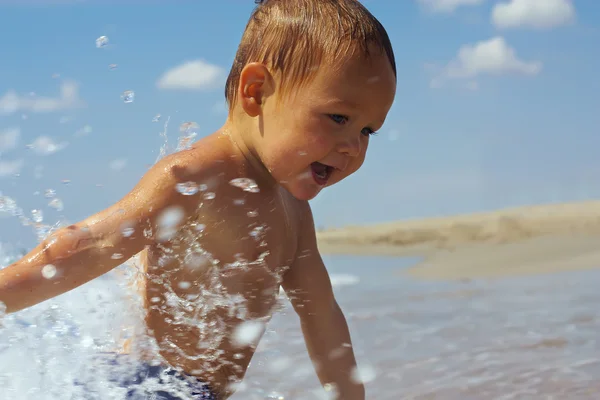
187	188
196	261
116	256
168	222
112	67
257	232
127	232
155	299
239	202
248	333
331	391
200	227
128	96
10	206
203	187
65	181
49	271
37	216
246	184
57	204
171	217
147	233
302	153
238	356
209	196
184	285
49	193
156	118
275	396
102	42
42	230
87	341
364	374
188	131
252	214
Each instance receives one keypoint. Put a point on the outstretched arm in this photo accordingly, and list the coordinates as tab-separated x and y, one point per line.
326	334
81	252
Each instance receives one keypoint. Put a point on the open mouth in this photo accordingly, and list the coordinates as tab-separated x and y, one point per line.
321	172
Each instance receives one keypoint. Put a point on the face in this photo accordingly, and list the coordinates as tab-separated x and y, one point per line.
318	135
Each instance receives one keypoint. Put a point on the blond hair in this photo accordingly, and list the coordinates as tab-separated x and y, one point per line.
294	37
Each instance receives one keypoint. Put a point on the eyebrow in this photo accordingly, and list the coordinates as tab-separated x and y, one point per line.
338	101
354	106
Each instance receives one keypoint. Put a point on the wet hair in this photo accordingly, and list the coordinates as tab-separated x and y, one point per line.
294	37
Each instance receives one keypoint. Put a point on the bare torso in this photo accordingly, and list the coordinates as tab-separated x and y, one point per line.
212	286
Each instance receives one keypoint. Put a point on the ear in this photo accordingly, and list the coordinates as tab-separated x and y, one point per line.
256	84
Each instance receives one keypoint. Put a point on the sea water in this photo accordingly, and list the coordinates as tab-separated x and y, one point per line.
517	338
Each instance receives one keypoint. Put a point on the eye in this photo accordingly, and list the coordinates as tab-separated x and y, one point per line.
338	119
368	132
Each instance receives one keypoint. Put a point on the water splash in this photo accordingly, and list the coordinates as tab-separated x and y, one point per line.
102	42
246	184
248	333
57	204
187	188
128	96
188	132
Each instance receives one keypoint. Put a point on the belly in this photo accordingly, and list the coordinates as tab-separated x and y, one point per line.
208	322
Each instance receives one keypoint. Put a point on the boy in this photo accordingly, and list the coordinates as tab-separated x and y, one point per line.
222	225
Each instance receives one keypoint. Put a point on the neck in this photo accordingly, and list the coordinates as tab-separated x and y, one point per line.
241	138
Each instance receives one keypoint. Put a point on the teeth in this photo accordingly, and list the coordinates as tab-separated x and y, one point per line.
321	170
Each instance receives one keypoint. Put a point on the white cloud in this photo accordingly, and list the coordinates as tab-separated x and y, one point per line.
192	75
10	168
11	102
538	14
448	5
45	145
9	139
472	85
490	57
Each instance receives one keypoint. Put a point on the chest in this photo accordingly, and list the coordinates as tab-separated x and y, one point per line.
237	245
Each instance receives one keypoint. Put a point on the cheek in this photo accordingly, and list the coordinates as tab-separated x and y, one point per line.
360	159
356	164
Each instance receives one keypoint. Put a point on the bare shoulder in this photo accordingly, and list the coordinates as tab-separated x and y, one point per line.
159	189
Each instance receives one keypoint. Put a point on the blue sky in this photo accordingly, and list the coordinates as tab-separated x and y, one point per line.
497	103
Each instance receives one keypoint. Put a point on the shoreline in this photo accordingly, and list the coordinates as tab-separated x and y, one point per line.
506	243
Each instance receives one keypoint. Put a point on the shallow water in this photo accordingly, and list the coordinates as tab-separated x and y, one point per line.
521	338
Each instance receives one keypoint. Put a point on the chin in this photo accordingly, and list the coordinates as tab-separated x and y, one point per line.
303	192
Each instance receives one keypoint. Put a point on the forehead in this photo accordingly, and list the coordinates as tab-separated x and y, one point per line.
359	81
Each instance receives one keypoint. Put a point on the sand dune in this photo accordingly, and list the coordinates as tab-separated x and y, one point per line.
524	240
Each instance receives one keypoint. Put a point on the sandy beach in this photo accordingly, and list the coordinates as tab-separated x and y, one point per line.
511	242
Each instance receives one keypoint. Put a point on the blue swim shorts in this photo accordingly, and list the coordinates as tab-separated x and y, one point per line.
139	380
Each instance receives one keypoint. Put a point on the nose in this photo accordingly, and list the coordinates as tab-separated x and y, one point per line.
350	145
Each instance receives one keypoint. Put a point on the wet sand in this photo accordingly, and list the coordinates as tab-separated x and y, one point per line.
513	242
